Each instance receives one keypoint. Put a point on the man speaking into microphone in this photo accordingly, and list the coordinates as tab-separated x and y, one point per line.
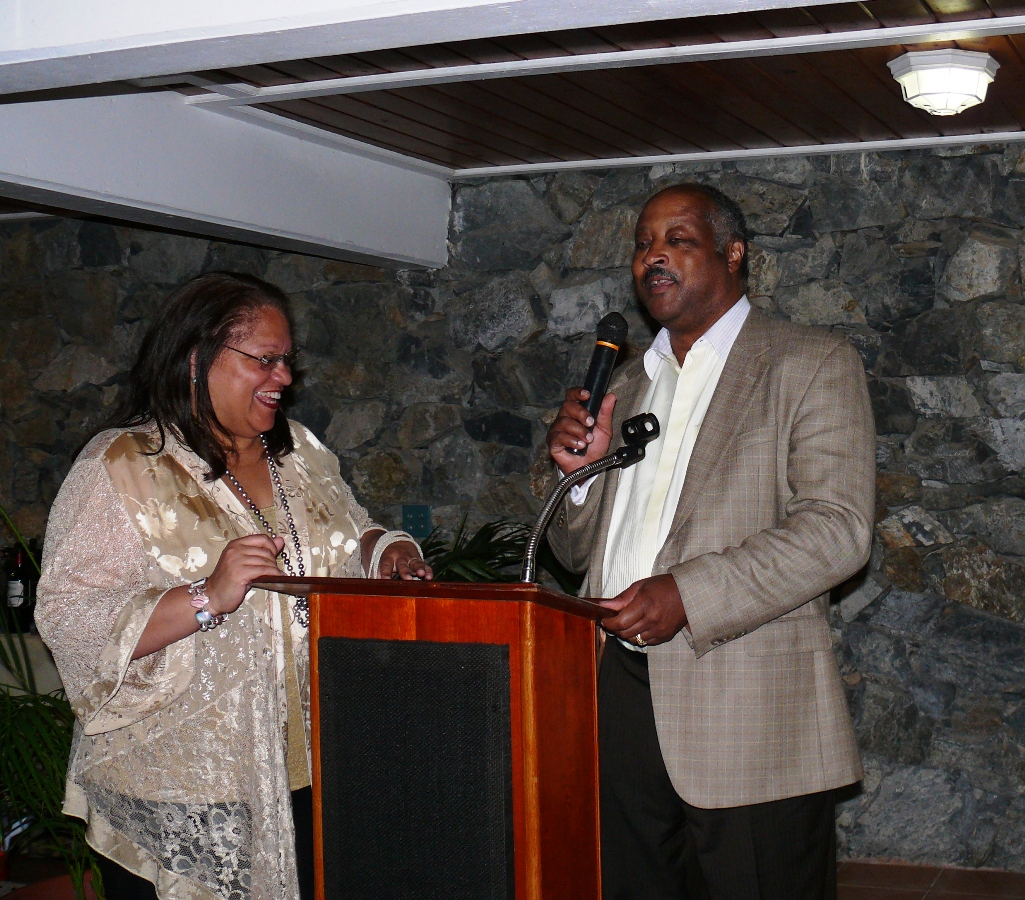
723	727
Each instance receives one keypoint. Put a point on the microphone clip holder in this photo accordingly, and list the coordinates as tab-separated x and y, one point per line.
638	432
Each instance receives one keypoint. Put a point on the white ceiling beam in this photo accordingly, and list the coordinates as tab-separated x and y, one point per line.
48	44
284	125
153	159
17	217
244	95
626	162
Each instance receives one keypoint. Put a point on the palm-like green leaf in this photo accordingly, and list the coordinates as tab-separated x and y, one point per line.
495	546
14	657
33	758
37	731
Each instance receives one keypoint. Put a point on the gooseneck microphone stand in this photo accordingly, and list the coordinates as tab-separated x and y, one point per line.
637	433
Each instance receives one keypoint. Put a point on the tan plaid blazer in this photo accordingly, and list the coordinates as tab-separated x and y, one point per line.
776	509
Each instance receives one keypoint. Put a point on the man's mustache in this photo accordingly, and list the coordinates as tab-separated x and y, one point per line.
658	272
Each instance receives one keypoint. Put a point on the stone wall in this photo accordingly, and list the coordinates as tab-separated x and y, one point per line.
917	258
434	387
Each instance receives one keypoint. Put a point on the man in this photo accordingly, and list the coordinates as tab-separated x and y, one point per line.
723	727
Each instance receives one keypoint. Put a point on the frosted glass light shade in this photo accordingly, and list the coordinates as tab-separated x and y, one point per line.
944	82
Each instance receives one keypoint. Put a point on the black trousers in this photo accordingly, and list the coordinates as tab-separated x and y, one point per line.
657	847
120	884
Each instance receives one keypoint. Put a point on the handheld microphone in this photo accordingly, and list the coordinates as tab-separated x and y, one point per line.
612	331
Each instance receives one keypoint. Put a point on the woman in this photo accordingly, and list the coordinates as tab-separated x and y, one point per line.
191	689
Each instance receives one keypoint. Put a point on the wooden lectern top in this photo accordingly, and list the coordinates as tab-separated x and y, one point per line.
450	590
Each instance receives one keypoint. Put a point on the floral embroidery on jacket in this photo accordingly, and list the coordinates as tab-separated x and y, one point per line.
179	758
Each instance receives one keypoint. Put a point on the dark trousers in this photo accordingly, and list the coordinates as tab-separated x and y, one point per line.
657	847
120	884
302	816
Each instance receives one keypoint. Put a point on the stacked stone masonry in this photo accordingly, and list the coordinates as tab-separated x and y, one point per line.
436	387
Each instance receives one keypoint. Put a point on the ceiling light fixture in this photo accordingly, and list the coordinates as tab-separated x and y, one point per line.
944	82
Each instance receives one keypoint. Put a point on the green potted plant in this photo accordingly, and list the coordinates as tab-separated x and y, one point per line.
489	554
34	755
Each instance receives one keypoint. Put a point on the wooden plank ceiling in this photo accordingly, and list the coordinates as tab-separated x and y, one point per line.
835	96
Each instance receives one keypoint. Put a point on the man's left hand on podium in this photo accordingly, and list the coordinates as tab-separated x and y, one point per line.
650	611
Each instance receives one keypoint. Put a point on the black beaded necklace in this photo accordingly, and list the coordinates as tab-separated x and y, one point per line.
302	605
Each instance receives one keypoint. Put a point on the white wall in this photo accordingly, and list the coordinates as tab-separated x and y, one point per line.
151	158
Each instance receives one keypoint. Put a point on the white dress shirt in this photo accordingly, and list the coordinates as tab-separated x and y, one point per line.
649	492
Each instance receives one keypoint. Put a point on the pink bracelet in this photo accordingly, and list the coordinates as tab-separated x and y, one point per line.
198	592
207	621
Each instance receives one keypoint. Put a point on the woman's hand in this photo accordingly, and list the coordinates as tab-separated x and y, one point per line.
402	559
243	561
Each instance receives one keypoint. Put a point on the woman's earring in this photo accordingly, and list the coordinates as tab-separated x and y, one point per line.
194	379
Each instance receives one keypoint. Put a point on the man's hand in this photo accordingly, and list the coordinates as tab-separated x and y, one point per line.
573	428
650	608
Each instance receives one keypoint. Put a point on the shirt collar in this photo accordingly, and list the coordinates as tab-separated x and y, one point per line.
721	336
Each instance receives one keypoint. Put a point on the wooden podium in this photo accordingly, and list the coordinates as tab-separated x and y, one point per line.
454	740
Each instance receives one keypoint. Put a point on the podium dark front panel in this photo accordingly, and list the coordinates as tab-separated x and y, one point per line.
416	770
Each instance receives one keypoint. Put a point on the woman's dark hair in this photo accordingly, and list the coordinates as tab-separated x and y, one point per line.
199	317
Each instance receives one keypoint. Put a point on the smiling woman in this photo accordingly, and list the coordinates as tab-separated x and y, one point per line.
190	688
246	397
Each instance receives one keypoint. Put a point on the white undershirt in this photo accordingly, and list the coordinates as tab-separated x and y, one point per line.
648	493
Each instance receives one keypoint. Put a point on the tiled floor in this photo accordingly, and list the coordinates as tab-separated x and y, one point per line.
50	889
870	880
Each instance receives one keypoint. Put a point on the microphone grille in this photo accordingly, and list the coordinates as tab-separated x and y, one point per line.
613	328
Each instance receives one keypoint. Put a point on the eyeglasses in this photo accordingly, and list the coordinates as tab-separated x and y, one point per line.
270	361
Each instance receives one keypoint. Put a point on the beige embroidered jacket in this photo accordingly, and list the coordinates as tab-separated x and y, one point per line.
776	509
179	760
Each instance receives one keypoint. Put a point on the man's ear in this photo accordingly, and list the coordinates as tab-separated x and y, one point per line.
735	251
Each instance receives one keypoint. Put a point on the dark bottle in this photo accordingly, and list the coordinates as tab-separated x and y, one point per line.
19	605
